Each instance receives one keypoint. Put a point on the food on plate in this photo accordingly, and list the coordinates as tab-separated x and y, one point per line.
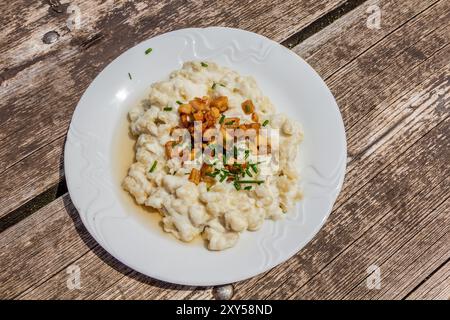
212	155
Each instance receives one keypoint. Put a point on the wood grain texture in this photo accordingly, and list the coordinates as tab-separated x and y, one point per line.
437	286
41	84
392	86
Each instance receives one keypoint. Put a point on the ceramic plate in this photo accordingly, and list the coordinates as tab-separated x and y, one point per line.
293	87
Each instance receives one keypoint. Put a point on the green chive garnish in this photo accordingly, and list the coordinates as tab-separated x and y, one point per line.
235	152
153	166
221	84
221	119
203	64
223	177
213	174
247	153
247	171
168	109
265	123
237	186
213	86
253	166
248	188
229	122
179	102
251	181
129	76
148	50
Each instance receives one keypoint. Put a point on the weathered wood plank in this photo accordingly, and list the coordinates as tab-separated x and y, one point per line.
416	259
416	229
45	244
36	172
436	287
42	84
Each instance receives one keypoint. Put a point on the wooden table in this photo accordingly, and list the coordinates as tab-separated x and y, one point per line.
391	221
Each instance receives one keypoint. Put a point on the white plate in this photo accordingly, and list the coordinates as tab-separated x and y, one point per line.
294	88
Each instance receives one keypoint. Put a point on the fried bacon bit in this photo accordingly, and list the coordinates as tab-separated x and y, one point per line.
248	107
185	109
185	120
208	111
220	103
215	112
168	148
200	104
198	116
195	176
210	181
205	169
247	126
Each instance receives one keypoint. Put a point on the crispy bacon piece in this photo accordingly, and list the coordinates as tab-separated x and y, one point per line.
185	109
205	169
248	107
185	120
195	176
246	126
220	103
198	116
169	148
200	104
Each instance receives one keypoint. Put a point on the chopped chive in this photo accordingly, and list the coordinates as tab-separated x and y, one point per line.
153	166
265	123
237	185
253	166
215	85
148	50
129	76
248	188
247	171
213	175
235	152
229	122
179	102
247	153
251	181
203	64
221	119
223	177
168	109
